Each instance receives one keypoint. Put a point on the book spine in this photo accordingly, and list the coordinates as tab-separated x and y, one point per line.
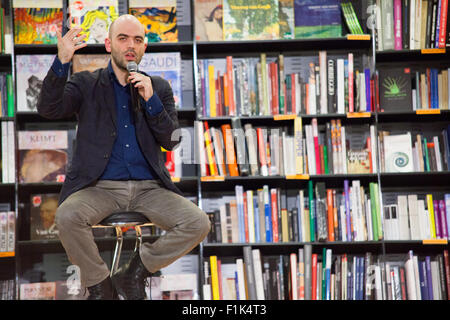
443	24
398	45
347	209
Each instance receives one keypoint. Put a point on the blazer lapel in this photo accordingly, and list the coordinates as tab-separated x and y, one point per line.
106	97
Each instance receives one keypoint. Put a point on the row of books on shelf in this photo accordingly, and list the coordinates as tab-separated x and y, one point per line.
305	275
32	69
283	85
7	289
414	152
236	150
7	162
325	84
412	24
353	213
273	215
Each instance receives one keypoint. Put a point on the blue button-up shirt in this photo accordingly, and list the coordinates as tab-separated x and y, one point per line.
127	161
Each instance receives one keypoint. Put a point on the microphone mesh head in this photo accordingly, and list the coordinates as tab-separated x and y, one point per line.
132	66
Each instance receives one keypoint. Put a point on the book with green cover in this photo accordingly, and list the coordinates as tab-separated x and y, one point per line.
10	95
251	20
351	19
311	210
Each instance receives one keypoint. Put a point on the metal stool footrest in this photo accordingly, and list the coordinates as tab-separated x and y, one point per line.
118	221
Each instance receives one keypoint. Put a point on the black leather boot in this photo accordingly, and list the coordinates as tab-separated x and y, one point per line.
129	280
103	291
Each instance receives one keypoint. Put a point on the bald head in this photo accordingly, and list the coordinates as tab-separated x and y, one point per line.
122	20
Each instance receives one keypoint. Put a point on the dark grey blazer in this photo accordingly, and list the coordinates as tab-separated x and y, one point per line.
90	96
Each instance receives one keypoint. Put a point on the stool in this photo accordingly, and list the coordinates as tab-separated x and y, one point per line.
119	220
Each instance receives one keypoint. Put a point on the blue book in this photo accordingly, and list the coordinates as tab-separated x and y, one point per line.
317	19
368	99
429	279
256	219
438	25
268	215
423	280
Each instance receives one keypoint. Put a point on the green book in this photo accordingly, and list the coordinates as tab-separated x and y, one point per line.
10	94
377	211
427	158
325	158
373	209
312	209
324	276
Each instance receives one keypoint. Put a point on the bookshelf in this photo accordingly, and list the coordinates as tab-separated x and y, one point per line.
436	182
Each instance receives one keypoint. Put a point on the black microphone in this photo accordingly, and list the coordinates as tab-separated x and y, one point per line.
133	67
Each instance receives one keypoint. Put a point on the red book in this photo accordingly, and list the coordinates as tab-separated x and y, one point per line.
443	24
316	144
330	215
170	162
313	276
369	148
447	272
274	206
293	90
403	283
231	86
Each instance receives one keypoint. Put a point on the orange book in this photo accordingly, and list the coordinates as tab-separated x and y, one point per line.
330	214
212	91
246	219
226	99
369	148
229	150
210	151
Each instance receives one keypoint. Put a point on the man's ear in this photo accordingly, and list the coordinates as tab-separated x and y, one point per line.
107	44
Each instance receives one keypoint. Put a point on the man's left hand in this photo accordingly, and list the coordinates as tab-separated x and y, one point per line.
142	83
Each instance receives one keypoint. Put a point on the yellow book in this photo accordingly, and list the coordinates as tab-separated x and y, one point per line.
214	278
298	138
264	109
284	225
212	91
431	212
209	153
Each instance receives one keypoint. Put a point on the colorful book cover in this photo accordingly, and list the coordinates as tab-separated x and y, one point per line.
43	155
167	65
358	161
395	89
94	17
286	19
398	153
158	17
31	71
208	17
251	20
42	216
317	19
37	22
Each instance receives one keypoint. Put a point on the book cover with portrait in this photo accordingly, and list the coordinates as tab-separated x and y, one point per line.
167	65
208	17
31	71
158	17
37	22
43	156
94	17
42	216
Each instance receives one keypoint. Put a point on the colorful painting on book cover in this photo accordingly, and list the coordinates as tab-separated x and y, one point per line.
158	17
42	216
317	19
31	71
43	155
89	62
208	20
251	20
37	22
94	17
167	65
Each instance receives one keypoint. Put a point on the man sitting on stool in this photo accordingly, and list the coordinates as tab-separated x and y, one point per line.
117	164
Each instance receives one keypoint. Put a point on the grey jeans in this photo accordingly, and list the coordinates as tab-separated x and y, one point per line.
185	223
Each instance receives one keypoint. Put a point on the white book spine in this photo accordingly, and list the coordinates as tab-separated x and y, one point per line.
241	279
416	276
413	217
344	150
223	223
251	217
11	231
343	222
3	231
323	82
410	279
11	153
373	146
437	153
340	86
412	17
403	217
293	275
257	269
5	178
422	219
